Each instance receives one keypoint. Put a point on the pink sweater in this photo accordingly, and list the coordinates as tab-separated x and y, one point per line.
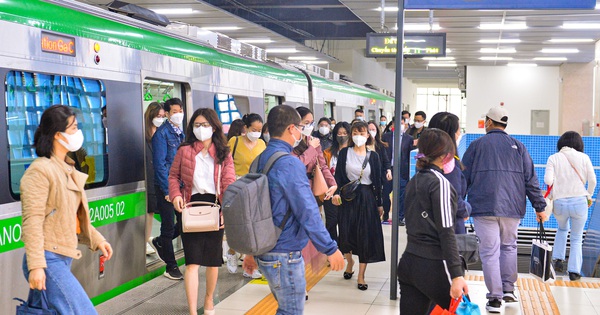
310	158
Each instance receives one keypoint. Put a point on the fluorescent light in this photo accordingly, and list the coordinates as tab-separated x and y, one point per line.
503	26
256	40
500	41
581	26
315	62
221	28
438	58
175	11
387	9
550	58
421	27
498	50
281	50
511	64
302	58
495	58
571	40
449	65
448	50
559	50
598	6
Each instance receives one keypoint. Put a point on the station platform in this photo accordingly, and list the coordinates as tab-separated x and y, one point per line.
329	293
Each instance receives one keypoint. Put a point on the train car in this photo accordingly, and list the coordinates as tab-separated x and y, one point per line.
65	52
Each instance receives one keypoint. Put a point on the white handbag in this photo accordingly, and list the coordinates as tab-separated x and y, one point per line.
201	216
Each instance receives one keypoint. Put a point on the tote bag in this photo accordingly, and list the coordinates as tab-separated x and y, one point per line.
540	265
26	309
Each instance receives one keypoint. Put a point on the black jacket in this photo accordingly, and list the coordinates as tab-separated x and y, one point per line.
431	193
406	147
341	176
326	140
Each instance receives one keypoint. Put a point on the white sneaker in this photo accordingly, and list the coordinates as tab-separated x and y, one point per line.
255	274
149	249
232	263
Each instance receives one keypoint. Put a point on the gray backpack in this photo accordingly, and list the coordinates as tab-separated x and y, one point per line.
247	211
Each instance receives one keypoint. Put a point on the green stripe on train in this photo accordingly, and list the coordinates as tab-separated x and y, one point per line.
102	212
55	18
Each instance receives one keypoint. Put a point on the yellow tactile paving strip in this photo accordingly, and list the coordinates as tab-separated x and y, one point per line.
268	305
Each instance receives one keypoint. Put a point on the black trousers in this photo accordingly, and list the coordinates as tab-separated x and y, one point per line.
170	226
331	219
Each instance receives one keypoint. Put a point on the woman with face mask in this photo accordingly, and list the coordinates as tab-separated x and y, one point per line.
56	215
380	147
201	171
265	135
323	133
449	123
359	218
154	117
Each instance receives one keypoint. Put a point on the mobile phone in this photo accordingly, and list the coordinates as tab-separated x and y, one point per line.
101	261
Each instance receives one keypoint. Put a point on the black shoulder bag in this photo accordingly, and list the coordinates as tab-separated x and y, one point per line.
348	191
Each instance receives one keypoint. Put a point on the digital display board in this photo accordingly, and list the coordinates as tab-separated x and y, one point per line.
416	45
500	5
58	44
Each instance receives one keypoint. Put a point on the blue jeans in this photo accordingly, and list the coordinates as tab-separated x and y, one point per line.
285	274
576	210
65	294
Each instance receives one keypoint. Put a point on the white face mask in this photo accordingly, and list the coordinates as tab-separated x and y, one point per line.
296	142
253	136
203	133
359	141
308	129
177	119
324	130
361	118
373	134
75	141
266	137
158	121
419	125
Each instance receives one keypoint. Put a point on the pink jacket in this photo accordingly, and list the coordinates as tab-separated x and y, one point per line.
182	171
310	157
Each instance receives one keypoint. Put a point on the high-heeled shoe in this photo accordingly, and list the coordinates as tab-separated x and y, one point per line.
363	286
348	275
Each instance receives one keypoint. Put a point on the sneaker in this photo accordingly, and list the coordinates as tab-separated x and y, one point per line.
173	274
232	263
157	248
493	306
255	274
509	297
559	265
149	249
402	222
574	276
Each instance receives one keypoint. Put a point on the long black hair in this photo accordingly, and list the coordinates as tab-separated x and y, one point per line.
218	137
303	146
335	145
54	119
447	122
378	143
434	143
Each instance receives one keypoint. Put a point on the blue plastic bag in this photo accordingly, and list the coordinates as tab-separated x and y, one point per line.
466	307
27	309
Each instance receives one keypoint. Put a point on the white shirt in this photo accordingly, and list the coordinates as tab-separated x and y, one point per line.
561	174
204	178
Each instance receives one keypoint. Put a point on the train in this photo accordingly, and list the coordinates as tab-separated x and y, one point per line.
71	53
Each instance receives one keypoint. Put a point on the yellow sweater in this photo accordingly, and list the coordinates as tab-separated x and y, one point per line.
244	156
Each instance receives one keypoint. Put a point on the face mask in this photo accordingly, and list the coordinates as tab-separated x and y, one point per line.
266	137
448	164
75	141
158	121
203	133
253	136
419	125
324	130
361	118
308	129
382	123
296	142
402	128
177	119
407	121
359	140
342	139
104	122
373	134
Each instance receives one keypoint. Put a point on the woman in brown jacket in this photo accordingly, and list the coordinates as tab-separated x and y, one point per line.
201	171
56	215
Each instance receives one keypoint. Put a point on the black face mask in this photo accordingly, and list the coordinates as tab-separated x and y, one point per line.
342	139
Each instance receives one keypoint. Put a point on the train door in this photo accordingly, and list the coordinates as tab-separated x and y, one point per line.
157	91
271	101
329	109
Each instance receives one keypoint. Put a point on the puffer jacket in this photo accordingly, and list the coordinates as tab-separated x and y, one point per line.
164	147
500	175
181	176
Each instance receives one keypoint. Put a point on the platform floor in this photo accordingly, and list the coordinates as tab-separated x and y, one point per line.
334	295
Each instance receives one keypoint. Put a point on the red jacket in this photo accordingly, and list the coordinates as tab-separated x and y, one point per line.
182	171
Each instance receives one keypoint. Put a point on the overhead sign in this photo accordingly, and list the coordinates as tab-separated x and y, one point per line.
383	45
500	5
58	44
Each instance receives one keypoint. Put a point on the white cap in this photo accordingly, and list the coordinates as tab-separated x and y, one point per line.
498	114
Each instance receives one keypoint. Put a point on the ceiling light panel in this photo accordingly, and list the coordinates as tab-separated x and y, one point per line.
281	50
221	28
571	40
302	58
511	64
438	58
500	41
550	58
559	50
581	26
421	27
387	9
498	50
179	11
256	40
503	26
446	65
495	58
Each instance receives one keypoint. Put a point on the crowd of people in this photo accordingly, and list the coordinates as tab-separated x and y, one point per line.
355	161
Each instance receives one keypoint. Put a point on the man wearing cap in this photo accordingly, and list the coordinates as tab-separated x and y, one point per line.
500	175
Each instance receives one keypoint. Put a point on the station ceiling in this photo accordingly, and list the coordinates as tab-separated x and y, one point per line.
474	37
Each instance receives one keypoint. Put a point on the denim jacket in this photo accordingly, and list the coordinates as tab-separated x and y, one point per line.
164	146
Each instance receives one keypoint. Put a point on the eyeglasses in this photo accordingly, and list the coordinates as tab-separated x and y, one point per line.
306	126
204	124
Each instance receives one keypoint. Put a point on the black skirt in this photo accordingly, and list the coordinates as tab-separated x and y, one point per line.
203	248
360	227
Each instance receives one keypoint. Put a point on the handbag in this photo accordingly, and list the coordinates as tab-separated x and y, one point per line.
27	309
201	216
319	185
540	265
348	191
549	201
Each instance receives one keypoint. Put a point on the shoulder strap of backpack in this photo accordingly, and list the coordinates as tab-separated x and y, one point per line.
271	161
235	146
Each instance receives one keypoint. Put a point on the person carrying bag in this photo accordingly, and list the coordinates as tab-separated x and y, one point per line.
540	265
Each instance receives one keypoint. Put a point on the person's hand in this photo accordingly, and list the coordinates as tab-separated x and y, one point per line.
336	261
458	287
380	209
589	202
249	264
37	279
415	142
467	218
314	142
388	175
178	203
541	216
329	193
106	249
336	200
167	198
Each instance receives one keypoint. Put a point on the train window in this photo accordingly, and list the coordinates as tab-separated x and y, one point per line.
272	101
226	109
29	94
328	109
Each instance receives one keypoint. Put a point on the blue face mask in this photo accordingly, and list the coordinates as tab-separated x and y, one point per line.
382	123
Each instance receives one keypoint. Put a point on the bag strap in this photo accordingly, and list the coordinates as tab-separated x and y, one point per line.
237	139
364	165
548	191
218	188
575	169
541	232
425	215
